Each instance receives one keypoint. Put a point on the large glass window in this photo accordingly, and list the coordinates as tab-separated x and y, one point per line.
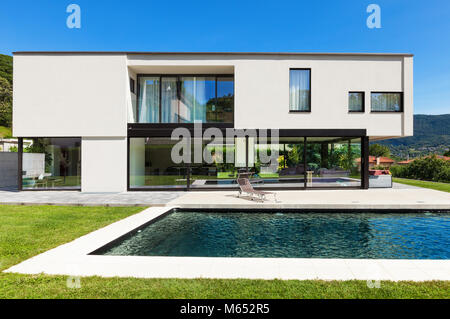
300	90
169	100
148	111
216	163
356	101
223	110
333	162
52	163
185	99
151	164
386	102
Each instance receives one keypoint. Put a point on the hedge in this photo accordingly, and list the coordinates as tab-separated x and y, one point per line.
427	169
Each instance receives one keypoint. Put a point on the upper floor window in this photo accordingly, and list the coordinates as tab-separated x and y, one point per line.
300	90
356	101
186	99
386	102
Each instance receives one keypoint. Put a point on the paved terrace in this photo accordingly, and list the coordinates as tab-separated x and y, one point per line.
74	198
414	198
399	197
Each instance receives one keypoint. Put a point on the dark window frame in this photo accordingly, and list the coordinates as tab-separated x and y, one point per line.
363	101
310	89
132	85
387	92
178	76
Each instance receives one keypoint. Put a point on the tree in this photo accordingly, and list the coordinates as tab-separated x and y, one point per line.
379	150
447	153
5	103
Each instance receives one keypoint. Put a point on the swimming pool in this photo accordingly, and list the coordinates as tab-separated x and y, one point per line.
305	234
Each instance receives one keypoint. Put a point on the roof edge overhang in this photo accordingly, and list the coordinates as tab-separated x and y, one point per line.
212	53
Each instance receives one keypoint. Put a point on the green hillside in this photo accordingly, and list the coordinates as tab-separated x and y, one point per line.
431	135
6	69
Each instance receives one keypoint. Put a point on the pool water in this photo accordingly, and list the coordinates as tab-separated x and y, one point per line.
296	235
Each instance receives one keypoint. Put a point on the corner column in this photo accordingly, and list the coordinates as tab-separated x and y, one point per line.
19	163
365	163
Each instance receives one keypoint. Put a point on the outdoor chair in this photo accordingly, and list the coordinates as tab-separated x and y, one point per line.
246	187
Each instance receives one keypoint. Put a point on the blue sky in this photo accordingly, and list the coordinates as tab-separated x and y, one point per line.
418	27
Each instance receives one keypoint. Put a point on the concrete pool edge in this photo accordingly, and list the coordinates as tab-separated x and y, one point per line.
73	259
401	199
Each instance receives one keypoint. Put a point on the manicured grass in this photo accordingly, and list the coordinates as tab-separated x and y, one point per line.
5	131
445	187
26	231
40	286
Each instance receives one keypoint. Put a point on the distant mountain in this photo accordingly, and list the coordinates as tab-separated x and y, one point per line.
431	135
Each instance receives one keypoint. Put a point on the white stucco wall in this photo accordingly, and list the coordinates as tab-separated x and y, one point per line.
104	164
69	95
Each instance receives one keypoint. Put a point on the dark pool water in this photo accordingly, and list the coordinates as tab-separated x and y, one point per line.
300	235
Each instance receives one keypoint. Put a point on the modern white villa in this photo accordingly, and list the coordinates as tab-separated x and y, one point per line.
104	120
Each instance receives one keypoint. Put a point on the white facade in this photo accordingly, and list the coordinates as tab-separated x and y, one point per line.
87	95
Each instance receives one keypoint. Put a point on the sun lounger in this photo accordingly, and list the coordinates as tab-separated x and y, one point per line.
246	187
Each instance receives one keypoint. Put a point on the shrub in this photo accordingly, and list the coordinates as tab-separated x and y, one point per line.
429	169
443	175
381	167
398	170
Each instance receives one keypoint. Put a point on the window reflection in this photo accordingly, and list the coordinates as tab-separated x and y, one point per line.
52	163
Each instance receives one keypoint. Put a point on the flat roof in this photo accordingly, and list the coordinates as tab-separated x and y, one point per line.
217	53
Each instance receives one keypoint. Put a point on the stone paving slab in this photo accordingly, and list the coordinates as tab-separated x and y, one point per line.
74	198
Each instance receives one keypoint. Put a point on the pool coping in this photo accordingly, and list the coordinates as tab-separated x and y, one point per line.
75	259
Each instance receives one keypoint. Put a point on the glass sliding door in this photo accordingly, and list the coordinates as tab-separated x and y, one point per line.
287	171
196	95
151	164
333	162
217	169
51	163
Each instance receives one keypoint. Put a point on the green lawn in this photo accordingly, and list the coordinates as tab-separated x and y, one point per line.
29	230
5	131
445	187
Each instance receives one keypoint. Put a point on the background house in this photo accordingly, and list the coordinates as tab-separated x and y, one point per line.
377	161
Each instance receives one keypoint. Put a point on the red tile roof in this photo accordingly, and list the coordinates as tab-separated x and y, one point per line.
438	156
373	160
